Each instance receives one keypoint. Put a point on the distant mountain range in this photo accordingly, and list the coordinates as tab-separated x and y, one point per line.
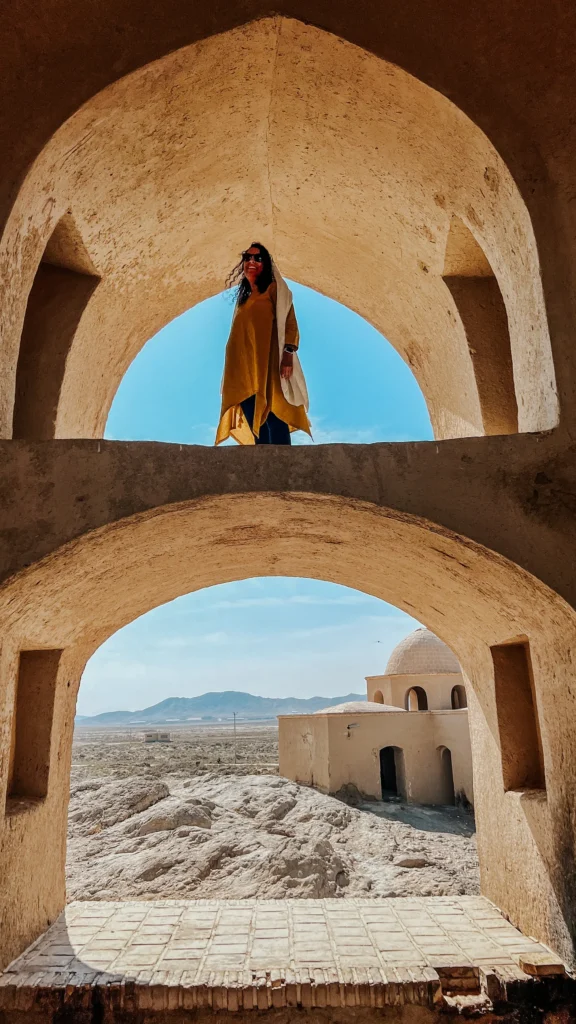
214	706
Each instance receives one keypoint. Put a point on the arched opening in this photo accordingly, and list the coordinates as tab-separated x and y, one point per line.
340	241
483	198
458	697
391	772
86	590
447	776
476	293
416	699
378	698
64	283
205	669
365	392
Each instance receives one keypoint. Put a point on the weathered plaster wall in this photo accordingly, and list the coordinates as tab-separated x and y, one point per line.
352	756
303	753
355	754
352	174
33	832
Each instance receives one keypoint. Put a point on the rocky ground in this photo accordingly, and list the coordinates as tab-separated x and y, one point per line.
172	821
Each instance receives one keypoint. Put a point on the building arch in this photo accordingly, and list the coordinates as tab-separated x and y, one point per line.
152	267
378	697
416	699
75	597
458	698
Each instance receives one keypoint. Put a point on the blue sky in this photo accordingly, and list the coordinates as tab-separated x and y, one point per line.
266	636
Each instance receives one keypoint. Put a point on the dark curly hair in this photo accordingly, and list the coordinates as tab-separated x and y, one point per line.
241	284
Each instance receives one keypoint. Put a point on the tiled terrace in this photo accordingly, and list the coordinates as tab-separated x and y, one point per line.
260	954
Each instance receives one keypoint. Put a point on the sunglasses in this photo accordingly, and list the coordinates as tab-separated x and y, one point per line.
256	256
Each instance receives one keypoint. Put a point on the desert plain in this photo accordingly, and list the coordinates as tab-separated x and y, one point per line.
207	816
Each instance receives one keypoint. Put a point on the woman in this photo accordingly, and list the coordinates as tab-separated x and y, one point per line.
264	394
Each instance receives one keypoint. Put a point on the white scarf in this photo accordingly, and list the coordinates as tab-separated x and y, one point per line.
294	390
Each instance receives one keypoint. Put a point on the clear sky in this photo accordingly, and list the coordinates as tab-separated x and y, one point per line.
276	636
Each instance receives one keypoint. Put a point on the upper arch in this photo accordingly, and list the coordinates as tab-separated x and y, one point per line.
347	166
93	585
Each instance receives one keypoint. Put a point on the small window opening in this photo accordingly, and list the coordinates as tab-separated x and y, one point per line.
416	699
519	729
448	795
64	283
476	293
458	697
32	725
392	773
378	698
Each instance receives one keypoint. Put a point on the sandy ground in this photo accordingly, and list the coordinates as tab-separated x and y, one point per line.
182	820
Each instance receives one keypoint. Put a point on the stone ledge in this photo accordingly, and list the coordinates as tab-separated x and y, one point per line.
245	955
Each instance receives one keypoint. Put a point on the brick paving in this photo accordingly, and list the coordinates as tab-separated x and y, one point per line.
257	954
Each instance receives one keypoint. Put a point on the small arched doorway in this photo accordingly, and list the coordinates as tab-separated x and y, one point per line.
458	697
447	776
416	699
391	772
378	697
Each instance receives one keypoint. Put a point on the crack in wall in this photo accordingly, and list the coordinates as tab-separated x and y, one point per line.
273	76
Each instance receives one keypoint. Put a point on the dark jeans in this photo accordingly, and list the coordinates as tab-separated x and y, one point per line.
272	431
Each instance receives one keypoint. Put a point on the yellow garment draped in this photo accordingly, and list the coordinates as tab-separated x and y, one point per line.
252	367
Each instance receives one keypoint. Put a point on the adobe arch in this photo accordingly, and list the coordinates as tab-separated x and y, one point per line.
478	299
64	282
458	698
416	699
170	169
76	597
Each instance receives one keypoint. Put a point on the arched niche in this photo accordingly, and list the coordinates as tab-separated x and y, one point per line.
378	697
63	284
474	599
158	172
478	299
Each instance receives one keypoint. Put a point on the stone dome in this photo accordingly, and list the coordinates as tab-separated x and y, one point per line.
421	653
355	707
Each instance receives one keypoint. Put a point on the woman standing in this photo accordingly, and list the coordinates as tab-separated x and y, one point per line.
264	394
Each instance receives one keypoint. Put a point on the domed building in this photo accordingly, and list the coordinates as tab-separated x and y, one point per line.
378	745
422	674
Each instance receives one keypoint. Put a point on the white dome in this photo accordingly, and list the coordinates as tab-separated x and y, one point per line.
421	653
355	707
